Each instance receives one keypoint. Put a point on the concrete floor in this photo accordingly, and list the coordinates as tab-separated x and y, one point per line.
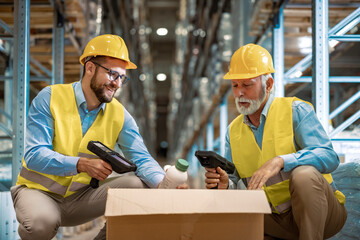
86	231
86	235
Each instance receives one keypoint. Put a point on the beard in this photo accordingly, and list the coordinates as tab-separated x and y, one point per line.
254	105
100	90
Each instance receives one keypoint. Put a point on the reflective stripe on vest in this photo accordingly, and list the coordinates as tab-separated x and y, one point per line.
48	183
277	140
280	177
76	186
69	140
281	208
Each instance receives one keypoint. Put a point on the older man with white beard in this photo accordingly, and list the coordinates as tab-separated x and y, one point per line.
279	145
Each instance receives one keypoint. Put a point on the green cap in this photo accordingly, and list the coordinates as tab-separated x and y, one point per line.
182	165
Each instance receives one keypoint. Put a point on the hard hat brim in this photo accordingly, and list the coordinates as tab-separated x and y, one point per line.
229	76
129	65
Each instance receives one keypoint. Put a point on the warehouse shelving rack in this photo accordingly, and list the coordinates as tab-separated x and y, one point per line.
203	138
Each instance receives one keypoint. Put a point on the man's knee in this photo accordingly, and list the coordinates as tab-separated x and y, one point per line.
135	182
304	176
41	226
127	181
305	184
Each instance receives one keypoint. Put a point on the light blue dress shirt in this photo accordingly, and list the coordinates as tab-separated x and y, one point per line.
312	144
39	153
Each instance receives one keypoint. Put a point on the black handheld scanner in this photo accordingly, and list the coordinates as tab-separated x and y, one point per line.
210	159
118	163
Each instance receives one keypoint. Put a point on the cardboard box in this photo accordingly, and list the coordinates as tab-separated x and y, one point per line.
185	214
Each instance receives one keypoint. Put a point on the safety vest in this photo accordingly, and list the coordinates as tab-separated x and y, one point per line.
278	139
69	140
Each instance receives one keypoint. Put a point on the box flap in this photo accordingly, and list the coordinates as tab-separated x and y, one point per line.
122	202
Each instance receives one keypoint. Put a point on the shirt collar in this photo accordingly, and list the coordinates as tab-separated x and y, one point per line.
80	98
264	112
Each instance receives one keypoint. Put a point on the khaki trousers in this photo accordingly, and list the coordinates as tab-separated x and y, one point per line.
40	214
315	213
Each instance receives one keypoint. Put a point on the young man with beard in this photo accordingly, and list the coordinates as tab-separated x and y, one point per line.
53	189
279	145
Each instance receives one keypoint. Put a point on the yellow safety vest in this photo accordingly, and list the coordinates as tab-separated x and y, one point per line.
278	139
69	140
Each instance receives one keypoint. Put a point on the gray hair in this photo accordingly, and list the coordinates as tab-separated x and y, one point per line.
264	79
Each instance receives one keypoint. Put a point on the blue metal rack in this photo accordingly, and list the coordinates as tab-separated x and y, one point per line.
18	78
16	102
20	84
321	38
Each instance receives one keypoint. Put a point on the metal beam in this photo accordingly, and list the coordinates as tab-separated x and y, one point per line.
39	65
59	4
7	37
278	52
320	50
6	78
3	188
337	79
4	113
343	106
8	90
223	124
20	82
58	47
342	27
331	5
346	24
217	144
345	124
200	141
240	15
338	93
32	78
210	135
6	27
5	129
35	71
346	38
345	139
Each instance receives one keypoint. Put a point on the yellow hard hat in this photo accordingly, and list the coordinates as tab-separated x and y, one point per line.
107	45
250	61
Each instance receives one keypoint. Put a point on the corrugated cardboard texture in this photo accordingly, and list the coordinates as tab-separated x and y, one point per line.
186	227
167	214
121	202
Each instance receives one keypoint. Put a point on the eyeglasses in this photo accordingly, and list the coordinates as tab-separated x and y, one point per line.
114	75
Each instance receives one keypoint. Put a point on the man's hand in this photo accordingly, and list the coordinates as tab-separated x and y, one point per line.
182	186
266	171
216	177
95	167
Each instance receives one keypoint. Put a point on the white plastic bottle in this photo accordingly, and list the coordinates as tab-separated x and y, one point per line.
175	175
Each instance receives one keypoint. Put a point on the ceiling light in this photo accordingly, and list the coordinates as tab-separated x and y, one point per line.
144	45
142	77
161	77
227	37
204	80
161	31
333	43
298	74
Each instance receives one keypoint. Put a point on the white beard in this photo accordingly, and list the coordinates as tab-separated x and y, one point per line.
254	104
